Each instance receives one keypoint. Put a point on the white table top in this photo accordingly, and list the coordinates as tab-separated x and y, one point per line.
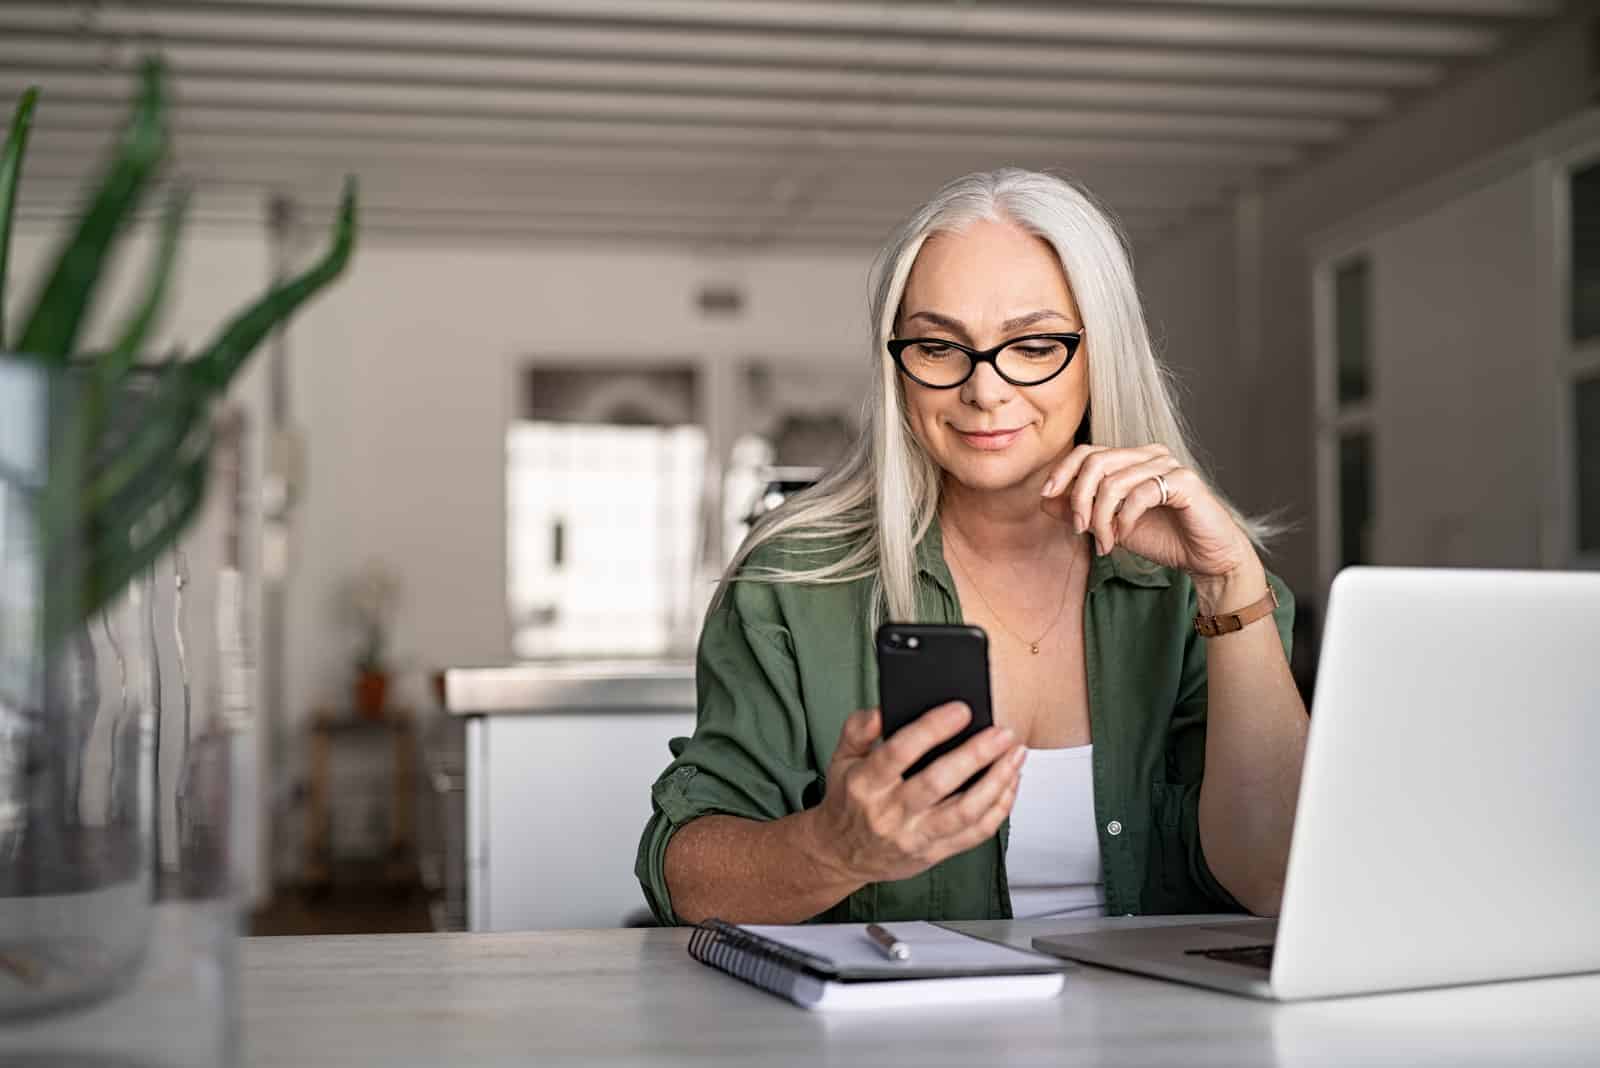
635	997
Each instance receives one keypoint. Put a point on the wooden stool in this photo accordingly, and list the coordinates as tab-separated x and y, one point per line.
400	859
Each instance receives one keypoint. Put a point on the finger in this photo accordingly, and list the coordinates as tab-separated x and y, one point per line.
956	813
939	780
908	744
1057	508
1114	489
1063	475
1144	496
1096	468
861	729
980	830
1184	487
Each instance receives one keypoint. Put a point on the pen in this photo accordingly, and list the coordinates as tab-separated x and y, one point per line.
892	947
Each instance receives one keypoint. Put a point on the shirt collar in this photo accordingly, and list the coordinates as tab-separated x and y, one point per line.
1134	570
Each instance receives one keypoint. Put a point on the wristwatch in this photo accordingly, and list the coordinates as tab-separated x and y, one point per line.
1228	622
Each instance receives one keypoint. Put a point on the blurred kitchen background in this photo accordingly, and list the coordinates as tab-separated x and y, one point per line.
610	301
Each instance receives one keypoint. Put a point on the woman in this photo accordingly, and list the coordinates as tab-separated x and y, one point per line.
1023	470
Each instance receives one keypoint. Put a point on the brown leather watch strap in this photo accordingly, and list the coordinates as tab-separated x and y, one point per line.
1228	622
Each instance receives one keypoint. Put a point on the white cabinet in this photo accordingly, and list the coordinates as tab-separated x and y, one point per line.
559	764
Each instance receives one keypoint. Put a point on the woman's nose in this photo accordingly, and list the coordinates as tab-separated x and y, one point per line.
986	389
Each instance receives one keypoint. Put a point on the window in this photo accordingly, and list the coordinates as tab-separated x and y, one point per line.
1347	447
604	513
1580	361
1585	251
1586	439
1355	498
1352	284
1582	364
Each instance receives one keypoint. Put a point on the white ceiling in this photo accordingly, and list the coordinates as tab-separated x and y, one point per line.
726	122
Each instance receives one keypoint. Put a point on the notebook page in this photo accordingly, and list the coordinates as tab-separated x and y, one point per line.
932	947
965	992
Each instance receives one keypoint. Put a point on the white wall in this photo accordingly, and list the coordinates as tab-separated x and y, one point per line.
1533	86
1457	400
1194	326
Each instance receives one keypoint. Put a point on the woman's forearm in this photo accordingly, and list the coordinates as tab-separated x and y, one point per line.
1255	743
748	871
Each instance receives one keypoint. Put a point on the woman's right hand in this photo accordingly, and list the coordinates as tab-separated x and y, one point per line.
873	826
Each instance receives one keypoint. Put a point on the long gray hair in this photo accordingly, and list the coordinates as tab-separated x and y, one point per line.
866	517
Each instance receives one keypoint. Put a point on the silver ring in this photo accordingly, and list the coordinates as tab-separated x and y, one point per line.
1161	484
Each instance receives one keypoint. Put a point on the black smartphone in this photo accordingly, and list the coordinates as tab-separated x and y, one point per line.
924	665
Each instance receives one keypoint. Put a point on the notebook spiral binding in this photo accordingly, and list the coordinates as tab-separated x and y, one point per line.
752	958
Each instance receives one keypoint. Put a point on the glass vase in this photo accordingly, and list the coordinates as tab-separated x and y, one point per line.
121	736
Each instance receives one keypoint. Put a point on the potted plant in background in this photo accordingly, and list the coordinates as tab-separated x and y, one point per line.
367	601
116	776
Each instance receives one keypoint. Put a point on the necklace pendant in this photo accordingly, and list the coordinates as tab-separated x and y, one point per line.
1034	648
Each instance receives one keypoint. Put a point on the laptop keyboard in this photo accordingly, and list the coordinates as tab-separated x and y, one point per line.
1249	956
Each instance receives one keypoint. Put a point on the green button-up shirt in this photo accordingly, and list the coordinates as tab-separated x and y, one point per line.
781	665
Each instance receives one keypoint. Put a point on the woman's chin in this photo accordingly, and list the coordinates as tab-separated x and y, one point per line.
991	474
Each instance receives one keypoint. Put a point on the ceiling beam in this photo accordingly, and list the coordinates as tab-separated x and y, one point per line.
570	205
444	133
878	194
470	38
206	154
615	227
335	67
1368	33
1468	8
322	100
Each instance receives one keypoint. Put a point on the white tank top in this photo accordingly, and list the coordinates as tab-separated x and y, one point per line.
1053	852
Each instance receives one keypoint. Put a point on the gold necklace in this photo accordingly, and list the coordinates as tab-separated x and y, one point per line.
1033	646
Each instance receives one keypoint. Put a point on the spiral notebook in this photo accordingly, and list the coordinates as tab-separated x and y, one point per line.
836	966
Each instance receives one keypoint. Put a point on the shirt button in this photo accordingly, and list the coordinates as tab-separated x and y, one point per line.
1114	828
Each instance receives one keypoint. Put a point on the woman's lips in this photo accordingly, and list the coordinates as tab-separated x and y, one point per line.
989	440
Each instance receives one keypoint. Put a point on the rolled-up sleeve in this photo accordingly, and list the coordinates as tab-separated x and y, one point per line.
749	755
1186	882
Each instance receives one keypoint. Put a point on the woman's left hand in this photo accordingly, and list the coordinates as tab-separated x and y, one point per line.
1113	493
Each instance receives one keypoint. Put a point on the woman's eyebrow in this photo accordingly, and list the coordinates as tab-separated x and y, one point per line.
958	327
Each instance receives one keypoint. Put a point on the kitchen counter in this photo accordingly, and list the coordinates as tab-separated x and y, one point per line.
540	688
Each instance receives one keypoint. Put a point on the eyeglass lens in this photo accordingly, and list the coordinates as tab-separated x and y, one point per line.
1024	361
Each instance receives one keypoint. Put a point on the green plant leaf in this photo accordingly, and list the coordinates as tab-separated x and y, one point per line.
163	427
92	460
10	178
52	329
221	359
108	489
129	457
123	516
123	540
115	363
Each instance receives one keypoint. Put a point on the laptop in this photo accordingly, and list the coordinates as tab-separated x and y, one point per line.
1448	828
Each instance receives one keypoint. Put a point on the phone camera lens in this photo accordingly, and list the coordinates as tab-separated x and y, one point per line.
912	643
